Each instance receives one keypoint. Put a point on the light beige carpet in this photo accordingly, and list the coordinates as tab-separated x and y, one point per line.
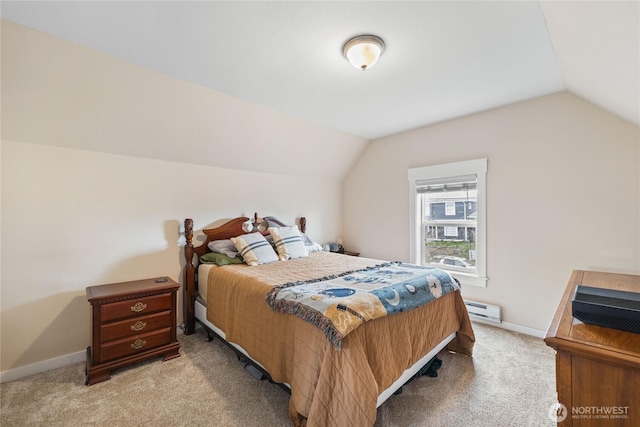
508	382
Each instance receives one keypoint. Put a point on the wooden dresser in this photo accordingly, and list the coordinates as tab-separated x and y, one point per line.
597	368
131	322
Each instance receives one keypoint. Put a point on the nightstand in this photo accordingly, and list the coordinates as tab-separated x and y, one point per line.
131	322
351	253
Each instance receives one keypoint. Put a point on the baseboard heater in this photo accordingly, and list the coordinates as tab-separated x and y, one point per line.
480	310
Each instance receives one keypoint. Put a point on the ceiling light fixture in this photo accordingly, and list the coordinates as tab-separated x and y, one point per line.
363	51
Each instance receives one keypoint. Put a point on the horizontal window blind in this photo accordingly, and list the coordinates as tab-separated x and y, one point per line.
450	183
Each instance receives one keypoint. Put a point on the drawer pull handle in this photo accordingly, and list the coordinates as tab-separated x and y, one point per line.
138	344
138	326
138	307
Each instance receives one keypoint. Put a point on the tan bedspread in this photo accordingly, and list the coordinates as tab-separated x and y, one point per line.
328	387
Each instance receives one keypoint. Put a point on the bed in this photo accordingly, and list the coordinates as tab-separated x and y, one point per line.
332	383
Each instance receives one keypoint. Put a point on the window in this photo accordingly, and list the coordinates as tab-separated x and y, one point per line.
450	208
449	231
448	218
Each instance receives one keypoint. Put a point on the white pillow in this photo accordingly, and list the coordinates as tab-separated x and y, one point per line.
254	249
314	247
288	242
223	247
309	244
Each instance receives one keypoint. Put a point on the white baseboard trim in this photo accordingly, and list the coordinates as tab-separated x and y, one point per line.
513	327
45	365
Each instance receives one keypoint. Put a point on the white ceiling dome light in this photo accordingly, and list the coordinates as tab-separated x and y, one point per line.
363	51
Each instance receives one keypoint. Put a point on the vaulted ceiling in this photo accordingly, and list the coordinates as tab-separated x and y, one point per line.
442	59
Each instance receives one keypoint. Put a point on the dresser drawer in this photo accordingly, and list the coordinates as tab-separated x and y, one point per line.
135	326
133	307
134	344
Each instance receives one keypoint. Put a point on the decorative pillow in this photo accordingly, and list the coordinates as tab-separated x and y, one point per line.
254	249
220	259
223	247
288	242
315	247
309	244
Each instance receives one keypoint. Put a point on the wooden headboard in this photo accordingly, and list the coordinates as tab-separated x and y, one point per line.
229	229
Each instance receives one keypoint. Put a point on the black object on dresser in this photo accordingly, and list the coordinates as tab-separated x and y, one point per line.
131	322
610	308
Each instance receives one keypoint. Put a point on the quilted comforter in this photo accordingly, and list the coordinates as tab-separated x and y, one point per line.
329	387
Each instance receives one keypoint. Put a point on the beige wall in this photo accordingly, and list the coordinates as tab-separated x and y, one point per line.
563	189
73	218
101	162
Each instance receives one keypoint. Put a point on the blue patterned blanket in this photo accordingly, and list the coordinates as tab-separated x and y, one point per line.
339	304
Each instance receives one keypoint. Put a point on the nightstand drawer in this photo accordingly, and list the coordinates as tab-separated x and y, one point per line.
135	326
135	344
133	307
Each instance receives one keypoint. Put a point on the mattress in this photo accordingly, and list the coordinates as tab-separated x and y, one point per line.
203	280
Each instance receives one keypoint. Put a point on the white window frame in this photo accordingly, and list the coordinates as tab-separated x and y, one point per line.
476	167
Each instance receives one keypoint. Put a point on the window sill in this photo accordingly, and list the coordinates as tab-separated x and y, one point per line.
469	279
465	278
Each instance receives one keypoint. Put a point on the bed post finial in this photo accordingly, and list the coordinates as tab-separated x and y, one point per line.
303	224
256	224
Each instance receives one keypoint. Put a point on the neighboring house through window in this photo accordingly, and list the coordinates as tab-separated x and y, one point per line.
448	218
